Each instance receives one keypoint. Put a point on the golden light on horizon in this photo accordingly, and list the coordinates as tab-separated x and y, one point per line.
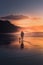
30	24
21	23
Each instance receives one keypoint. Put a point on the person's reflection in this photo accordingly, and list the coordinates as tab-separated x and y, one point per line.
22	45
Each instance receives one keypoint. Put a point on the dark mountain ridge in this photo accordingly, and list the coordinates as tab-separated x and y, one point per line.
7	27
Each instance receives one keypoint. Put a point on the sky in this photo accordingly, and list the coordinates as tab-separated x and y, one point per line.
25	7
33	9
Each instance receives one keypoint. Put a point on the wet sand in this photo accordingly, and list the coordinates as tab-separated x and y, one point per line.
11	56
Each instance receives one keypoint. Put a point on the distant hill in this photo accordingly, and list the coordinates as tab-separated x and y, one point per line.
7	27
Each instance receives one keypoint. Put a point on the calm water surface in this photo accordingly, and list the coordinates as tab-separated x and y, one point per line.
11	52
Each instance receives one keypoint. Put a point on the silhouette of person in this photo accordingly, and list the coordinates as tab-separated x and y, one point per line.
22	35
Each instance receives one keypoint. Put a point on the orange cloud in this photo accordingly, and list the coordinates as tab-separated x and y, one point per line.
35	18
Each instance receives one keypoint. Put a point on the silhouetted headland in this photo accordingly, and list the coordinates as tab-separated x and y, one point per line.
7	27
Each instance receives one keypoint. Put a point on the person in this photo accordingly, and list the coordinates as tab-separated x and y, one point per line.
22	35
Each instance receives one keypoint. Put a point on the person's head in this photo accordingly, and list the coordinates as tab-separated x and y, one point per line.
21	31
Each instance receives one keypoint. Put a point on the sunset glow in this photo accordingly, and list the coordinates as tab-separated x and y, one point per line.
26	16
32	24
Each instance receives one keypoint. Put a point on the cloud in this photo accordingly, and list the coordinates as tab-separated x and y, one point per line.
15	17
19	17
35	18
